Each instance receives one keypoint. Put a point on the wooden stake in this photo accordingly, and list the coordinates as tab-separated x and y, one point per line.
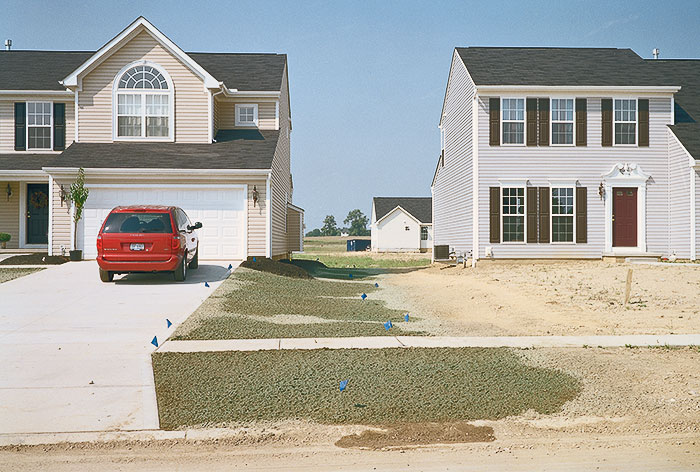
628	286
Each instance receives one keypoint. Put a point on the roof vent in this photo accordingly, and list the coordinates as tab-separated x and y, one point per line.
8	44
655	53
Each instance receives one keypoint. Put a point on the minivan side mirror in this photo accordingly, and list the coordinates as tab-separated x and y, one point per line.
197	225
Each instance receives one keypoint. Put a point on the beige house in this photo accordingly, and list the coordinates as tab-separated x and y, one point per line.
150	124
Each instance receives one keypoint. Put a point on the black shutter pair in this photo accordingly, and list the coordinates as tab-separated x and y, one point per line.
537	214
59	126
606	107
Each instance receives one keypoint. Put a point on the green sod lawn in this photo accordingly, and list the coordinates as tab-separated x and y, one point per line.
366	261
9	274
385	386
252	304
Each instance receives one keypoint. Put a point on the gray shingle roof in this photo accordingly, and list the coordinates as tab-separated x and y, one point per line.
41	70
689	135
239	149
421	208
21	161
558	66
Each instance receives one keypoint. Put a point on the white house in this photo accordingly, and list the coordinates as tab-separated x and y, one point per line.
568	153
402	224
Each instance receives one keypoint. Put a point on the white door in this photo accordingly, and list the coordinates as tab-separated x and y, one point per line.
220	209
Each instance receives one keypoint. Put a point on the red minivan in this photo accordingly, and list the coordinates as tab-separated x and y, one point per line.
147	238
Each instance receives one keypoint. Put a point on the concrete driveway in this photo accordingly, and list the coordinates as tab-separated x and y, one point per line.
75	352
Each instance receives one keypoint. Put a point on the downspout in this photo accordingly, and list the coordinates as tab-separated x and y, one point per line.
693	215
475	179
50	237
268	211
212	111
75	113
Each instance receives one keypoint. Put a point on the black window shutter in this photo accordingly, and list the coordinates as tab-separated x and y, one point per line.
543	214
581	122
494	121
531	129
643	105
59	126
581	215
531	204
606	117
495	214
544	122
20	126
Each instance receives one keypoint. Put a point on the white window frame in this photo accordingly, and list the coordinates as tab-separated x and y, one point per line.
551	213
27	126
552	121
523	121
524	215
116	91
427	235
636	121
246	124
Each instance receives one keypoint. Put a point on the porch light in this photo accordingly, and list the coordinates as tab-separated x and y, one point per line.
64	195
255	195
601	191
8	191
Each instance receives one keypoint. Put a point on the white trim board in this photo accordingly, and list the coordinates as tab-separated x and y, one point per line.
626	175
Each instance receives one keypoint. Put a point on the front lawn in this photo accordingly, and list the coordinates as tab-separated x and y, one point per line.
368	260
36	258
252	304
385	386
8	274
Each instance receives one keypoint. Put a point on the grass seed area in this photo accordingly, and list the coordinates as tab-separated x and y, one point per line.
385	386
37	258
360	260
8	274
252	304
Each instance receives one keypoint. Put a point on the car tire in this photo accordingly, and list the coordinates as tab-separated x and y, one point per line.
106	276
194	263
181	272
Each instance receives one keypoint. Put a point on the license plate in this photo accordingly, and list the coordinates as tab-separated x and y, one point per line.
137	246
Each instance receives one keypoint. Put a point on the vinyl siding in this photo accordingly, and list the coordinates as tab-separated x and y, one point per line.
679	199
257	212
9	213
295	221
95	100
391	234
697	212
226	110
452	190
541	164
7	119
281	184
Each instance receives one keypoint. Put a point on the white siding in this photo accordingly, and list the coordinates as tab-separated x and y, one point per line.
679	199
452	191
281	188
697	213
586	164
391	233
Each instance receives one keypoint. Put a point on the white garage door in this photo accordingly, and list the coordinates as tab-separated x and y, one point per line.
220	209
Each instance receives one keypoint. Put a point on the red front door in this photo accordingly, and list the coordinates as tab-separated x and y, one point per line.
624	217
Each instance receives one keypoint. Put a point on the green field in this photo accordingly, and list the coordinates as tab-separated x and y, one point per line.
385	386
331	251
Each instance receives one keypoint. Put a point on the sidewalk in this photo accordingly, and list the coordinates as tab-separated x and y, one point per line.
379	342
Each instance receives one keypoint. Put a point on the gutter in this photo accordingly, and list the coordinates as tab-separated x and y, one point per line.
598	88
62	93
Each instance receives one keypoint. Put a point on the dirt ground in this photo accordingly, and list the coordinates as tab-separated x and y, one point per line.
639	410
558	298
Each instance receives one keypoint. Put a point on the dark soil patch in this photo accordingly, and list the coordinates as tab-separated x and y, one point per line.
38	258
263	264
418	434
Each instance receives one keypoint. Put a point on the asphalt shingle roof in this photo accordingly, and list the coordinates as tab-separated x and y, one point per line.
421	208
558	66
41	70
20	161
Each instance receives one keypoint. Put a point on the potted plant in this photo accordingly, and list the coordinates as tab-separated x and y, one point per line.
77	195
4	237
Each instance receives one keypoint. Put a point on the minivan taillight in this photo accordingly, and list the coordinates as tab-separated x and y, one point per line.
99	243
176	242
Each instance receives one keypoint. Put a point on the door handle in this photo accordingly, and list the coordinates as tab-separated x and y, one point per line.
613	218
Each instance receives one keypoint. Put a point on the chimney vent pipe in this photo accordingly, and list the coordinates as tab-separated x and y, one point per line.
655	53
8	44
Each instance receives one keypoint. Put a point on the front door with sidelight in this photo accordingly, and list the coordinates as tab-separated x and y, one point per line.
624	217
37	214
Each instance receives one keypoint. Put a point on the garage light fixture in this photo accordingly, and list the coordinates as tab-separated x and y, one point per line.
9	192
255	195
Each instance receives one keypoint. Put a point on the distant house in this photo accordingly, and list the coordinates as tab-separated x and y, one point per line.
402	224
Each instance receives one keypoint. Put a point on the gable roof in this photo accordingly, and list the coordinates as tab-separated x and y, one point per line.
421	208
559	67
44	70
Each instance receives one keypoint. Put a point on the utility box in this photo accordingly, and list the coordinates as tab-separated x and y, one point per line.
354	245
442	252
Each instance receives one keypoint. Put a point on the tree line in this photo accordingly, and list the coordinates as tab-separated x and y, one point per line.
356	225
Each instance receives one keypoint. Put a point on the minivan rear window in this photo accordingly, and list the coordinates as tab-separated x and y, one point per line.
138	223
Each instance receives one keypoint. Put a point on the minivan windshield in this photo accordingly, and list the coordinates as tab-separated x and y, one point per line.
138	223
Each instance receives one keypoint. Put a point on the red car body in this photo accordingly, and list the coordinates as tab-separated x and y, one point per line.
147	238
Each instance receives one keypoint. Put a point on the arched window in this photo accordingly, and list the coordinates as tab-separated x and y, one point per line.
143	95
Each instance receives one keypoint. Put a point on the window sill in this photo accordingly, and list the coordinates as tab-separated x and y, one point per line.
247	125
626	145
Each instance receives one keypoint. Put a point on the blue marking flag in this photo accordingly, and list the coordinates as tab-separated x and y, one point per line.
405	317
376	285
364	295
168	323
230	267
350	275
254	259
154	341
343	384
388	325
206	284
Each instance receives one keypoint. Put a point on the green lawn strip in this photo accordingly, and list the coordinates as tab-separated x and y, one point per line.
9	274
260	295
365	262
385	386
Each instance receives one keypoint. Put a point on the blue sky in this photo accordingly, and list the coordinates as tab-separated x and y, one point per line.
367	78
